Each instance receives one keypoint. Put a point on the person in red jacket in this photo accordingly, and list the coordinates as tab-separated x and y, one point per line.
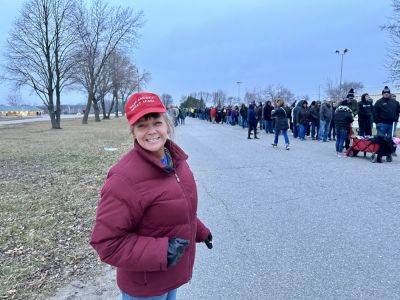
146	221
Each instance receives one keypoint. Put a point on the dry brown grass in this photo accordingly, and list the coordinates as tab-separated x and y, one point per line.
49	185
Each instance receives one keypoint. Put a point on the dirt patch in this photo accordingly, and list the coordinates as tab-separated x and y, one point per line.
49	184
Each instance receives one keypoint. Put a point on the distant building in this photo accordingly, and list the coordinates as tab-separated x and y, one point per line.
20	111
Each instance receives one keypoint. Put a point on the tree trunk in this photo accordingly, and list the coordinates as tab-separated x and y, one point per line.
87	109
58	106
103	107
96	111
116	108
111	107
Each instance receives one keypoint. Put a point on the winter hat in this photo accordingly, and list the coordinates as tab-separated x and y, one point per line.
140	104
385	90
350	94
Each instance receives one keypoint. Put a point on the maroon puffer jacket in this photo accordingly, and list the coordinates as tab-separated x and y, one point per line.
141	207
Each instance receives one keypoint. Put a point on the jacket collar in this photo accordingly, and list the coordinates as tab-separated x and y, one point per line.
178	155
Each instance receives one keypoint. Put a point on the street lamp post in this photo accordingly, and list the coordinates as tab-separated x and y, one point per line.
238	84
341	53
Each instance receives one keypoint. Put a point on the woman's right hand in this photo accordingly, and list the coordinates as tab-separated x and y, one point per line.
176	247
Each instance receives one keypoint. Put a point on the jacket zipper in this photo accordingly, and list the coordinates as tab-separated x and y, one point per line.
177	178
190	209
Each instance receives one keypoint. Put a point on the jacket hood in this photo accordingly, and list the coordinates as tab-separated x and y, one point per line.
344	108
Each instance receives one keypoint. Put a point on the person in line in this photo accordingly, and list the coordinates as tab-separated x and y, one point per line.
365	108
343	120
252	121
395	123
332	126
314	119
243	115
213	114
281	124
268	108
351	103
295	116
325	121
146	221
303	118
385	113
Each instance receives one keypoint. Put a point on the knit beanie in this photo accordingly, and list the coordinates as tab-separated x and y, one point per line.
385	90
350	94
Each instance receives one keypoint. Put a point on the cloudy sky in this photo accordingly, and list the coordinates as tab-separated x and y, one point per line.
191	46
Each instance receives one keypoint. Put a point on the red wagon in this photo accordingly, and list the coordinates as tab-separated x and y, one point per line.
365	145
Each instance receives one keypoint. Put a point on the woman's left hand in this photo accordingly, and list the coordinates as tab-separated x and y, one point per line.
208	241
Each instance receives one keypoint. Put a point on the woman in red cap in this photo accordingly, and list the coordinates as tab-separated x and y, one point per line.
146	220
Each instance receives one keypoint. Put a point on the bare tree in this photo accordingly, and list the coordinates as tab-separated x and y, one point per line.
205	96
250	97
101	29
14	99
336	92
166	100
104	86
132	80
219	98
39	49
393	56
273	93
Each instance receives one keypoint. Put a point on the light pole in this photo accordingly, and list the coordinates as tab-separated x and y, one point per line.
341	53
238	84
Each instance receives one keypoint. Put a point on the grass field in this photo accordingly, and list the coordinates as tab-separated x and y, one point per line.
49	185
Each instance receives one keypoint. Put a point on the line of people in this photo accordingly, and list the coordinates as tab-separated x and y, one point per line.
321	121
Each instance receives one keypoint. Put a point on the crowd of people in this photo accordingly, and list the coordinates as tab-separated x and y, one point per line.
320	121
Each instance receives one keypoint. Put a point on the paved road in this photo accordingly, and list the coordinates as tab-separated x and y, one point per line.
286	224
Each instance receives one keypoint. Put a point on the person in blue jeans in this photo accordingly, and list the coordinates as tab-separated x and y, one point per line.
385	113
267	110
343	120
303	118
281	123
324	121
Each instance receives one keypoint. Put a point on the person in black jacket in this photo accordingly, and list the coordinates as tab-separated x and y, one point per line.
243	115
314	119
295	116
365	108
267	117
332	126
343	120
385	113
252	121
303	120
281	123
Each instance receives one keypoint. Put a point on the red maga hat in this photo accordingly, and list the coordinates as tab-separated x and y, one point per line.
140	104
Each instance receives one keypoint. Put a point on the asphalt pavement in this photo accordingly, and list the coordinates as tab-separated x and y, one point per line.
287	224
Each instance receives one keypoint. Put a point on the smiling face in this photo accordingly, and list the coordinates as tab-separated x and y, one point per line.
151	132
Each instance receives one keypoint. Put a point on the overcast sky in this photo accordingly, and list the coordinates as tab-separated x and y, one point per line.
191	46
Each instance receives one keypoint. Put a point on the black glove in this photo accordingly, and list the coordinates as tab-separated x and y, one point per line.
176	247
208	241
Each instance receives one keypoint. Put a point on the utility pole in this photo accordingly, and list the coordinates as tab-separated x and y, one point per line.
341	53
238	84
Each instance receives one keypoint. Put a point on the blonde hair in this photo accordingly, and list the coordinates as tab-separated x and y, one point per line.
280	102
167	120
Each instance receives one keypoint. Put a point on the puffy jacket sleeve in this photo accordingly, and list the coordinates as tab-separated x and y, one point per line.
202	232
117	217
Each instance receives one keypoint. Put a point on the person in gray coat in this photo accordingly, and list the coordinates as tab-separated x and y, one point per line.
325	118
